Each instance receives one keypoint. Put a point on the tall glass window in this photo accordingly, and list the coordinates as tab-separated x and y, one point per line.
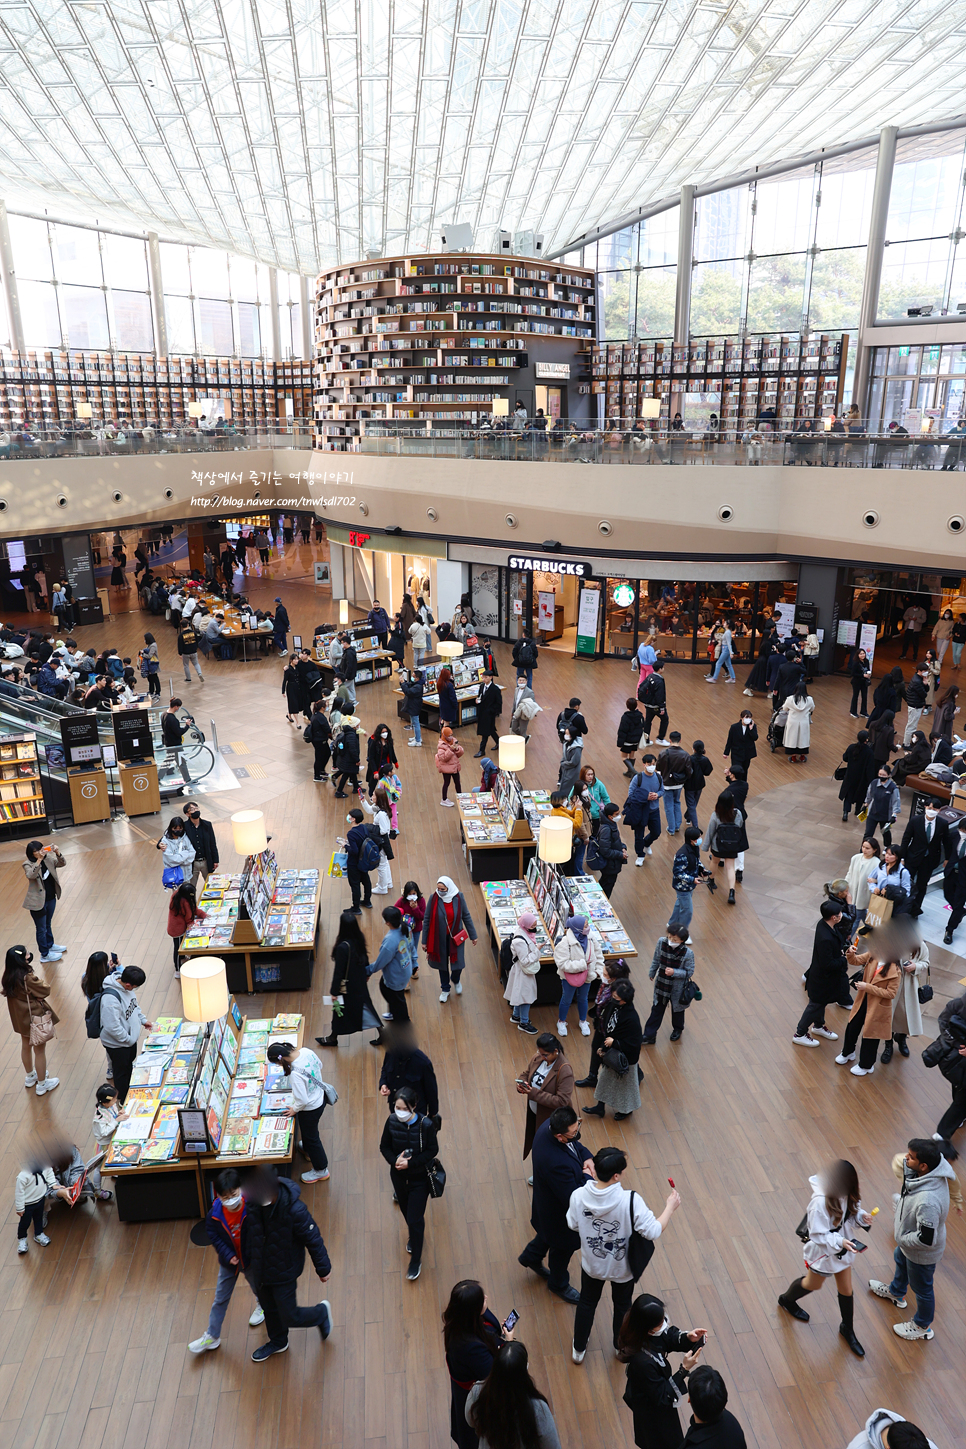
923	232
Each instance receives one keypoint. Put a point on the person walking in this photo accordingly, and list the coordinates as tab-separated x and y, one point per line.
361	858
798	708
188	650
310	1096
741	744
611	850
701	768
945	712
380	808
725	645
629	732
871	1015
381	758
183	911
524	707
507	1409
653	695
489	707
31	1016
42	869
201	833
832	1219
883	805
318	734
448	755
726	838
310	682
917	697
352	1008
579	961
826	980
560	1164
280	628
921	1210
521	984
411	685
906	1007
121	1023
150	665
223	1230
858	877
525	656
409	1144
276	1232
958	638
642	809
547	1082
913	619
686	871
672	967
605	1250
924	842
472	1336
395	962
447	926
618	1082
614	971
404	1065
653	1391
861	674
674	767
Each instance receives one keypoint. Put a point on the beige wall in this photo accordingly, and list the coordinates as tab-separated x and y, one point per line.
777	512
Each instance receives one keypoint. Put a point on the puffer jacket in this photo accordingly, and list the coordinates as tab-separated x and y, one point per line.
219	1234
448	756
274	1239
568	954
418	1136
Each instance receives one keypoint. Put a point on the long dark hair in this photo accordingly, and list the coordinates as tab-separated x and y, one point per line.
841	1181
185	892
504	1415
645	1313
411	885
377	736
949	696
393	918
350	932
724	808
463	1314
98	969
16	968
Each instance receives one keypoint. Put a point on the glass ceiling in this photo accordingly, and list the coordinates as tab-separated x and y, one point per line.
303	132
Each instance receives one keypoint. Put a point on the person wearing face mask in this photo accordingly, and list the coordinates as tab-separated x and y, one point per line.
871	1016
561	1164
521	984
547	1082
222	1228
360	881
395	962
653	1391
409	1144
352	1008
922	846
447	926
686	871
834	1215
740	744
570	760
883	805
642	809
178	854
380	756
892	880
276	1233
380	808
671	967
404	1065
579	961
413	908
604	1214
954	881
310	1094
918	755
202	836
620	1026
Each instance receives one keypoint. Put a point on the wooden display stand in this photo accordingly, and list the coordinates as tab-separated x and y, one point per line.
139	788
89	796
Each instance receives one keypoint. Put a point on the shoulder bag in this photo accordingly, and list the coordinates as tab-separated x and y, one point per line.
41	1025
435	1172
925	993
640	1250
615	1059
690	991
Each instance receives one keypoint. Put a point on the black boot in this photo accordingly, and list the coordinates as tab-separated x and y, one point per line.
887	1052
739	876
629	770
731	897
846	1308
789	1299
902	1044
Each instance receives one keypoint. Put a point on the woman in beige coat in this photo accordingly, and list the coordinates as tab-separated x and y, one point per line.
579	960
871	1016
906	1010
43	892
27	1001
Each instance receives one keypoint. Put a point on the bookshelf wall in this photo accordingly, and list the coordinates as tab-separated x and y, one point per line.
21	792
41	390
438	338
798	377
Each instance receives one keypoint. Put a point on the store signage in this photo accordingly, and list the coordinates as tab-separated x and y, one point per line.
623	596
552	371
588	616
399	543
568	567
358	540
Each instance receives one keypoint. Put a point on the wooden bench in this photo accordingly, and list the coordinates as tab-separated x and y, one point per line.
926	785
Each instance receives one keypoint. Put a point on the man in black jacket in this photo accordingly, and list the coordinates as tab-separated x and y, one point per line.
827	978
955	1114
653	695
674	768
404	1065
954	880
571	718
560	1165
345	757
610	847
713	1426
281	629
348	666
310	681
201	833
171	728
917	693
789	675
524	656
923	841
276	1231
740	744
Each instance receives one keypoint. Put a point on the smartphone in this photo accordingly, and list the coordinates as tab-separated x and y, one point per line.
408	1152
859	1247
700	1344
511	1321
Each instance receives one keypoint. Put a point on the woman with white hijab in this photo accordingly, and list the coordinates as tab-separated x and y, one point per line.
447	926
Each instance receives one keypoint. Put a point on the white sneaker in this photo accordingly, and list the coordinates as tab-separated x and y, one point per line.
804	1041
47	1085
561	1028
912	1330
205	1342
444	996
257	1316
578	1357
639	860
649	851
858	1071
50	958
314	1176
824	1031
42	1239
281	654
30	1080
414	744
377	892
21	1245
938	1137
458	987
387	1016
584	1029
446	804
881	1290
844	1058
750	693
58	947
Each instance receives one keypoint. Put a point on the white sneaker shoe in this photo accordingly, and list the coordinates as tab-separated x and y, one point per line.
446	804
414	744
649	851
844	1058
881	1290
561	1028
804	1041
858	1071
30	1080
938	1137
204	1343
639	860
21	1245
458	987
50	958
47	1085
257	1316
58	947
750	693
584	1029
578	1357
314	1176
824	1031
444	996
912	1330
42	1239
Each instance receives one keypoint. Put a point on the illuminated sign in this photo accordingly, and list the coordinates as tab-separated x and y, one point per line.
574	568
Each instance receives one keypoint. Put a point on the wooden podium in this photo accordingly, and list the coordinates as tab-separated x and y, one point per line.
140	794
89	796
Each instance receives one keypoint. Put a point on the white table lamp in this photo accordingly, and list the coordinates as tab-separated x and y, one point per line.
556	842
248	832
204	988
513	753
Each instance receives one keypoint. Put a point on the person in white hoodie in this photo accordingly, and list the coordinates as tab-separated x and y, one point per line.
833	1217
604	1215
886	1430
29	1196
121	1023
310	1093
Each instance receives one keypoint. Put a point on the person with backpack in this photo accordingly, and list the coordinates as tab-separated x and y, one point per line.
726	838
345	756
188	649
674	767
363	857
310	1094
520	963
115	1017
409	1144
653	696
642	808
629	732
571	718
379	806
524	656
310	682
223	1229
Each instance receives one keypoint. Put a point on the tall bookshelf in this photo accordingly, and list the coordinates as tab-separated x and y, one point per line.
800	377
41	390
438	338
22	807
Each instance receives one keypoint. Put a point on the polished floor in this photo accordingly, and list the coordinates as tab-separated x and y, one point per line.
96	1326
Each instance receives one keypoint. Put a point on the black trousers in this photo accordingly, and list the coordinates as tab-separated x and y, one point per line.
920	882
395	1000
339	781
954	1116
590	1291
311	1141
653	1023
857	689
154	683
558	1260
32	1213
413	1197
176	948
122	1060
661	716
282	1311
608	880
869	1048
323	755
883	825
359	882
813	1015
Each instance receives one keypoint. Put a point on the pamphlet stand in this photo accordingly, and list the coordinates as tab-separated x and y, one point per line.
140	794
89	796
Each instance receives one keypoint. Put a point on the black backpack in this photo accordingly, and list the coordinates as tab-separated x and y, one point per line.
370	849
727	840
506	959
92	1016
651	691
528	654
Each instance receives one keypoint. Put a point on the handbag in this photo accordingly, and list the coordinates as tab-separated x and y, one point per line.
307	734
339	863
690	991
640	1250
41	1028
436	1177
615	1059
172	876
802	1230
839	772
925	993
460	937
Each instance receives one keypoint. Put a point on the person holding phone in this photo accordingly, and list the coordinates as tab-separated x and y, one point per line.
43	892
653	1390
472	1336
409	1144
833	1216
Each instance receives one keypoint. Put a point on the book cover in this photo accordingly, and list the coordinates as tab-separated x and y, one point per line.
287	1021
159	1149
123	1154
271	1144
246	1087
173	1094
275	1102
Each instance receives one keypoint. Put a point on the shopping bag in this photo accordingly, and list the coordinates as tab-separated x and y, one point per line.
340	860
879	909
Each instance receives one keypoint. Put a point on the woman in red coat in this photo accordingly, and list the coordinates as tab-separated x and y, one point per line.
183	910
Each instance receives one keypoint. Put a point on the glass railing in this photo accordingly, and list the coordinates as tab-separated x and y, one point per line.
579	443
41	715
82	443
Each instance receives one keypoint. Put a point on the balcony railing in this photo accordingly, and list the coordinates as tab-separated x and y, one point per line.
85	443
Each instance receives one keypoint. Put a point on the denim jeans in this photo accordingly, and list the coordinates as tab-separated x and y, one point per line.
724	662
580	850
957	654
683	909
417	727
521	1013
418	657
918	1276
570	993
224	1288
42	919
672	808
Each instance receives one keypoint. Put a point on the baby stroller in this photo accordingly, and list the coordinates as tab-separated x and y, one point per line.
776	729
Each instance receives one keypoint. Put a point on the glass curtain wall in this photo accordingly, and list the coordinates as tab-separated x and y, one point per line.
924	265
636	274
931	380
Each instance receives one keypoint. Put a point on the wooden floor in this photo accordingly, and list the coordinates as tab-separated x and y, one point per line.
95	1327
